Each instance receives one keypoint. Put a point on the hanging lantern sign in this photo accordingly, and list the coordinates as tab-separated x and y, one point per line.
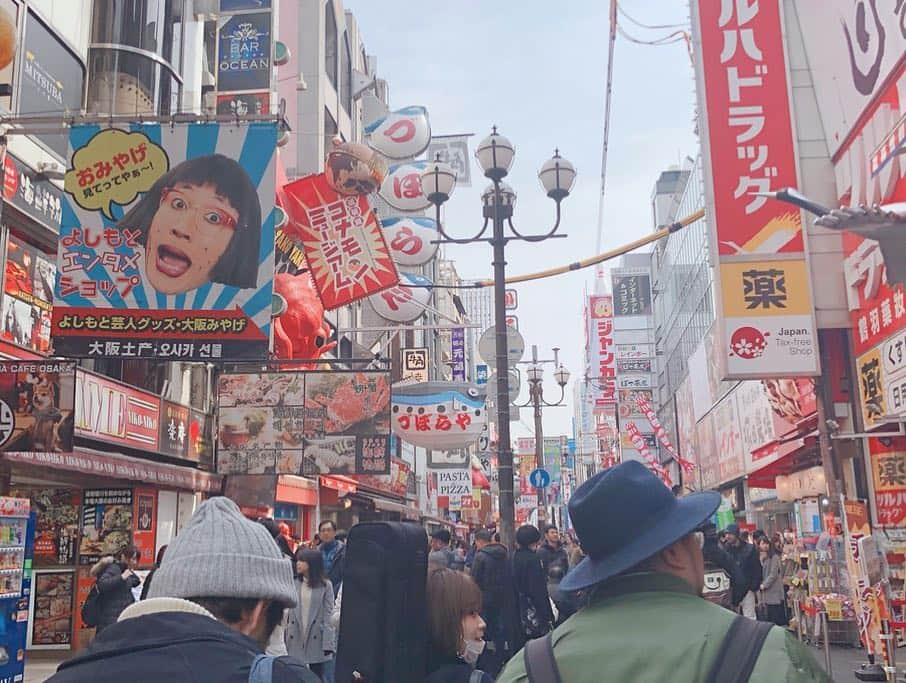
438	415
404	302
412	239
402	188
401	134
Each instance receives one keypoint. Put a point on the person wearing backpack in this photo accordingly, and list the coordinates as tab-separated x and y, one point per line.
115	579
218	594
646	619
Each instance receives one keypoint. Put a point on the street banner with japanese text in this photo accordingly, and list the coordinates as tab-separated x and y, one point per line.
765	313
342	241
888	466
304	423
458	353
453	150
662	435
166	242
631	292
601	368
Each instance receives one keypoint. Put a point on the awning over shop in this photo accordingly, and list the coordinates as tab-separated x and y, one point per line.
116	466
339	483
782	457
298	490
407	511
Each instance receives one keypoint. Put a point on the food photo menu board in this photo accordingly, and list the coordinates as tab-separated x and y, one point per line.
304	423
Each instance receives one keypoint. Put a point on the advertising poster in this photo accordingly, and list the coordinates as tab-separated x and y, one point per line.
553	461
51	79
686	432
304	423
707	453
728	440
454	488
888	465
201	439
629	401
27	295
342	240
106	523
144	523
765	313
756	420
167	242
244	47
36	406
52	615
600	348
84	584
57	524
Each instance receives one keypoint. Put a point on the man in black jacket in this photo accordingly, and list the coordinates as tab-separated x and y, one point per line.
746	556
725	584
217	596
530	584
491	571
115	580
552	551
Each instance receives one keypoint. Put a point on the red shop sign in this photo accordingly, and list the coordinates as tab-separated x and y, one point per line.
106	410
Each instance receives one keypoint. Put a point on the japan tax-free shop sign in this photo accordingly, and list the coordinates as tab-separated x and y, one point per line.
166	242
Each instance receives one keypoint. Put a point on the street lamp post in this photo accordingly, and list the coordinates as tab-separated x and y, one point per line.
495	156
535	375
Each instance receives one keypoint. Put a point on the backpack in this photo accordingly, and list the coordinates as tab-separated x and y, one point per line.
383	618
734	663
91	608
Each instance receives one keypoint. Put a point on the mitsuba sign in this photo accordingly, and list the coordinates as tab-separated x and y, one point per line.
115	413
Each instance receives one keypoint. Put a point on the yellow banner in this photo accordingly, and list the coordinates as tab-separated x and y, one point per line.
765	288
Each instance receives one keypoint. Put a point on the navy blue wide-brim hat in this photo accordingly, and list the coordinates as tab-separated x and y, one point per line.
624	515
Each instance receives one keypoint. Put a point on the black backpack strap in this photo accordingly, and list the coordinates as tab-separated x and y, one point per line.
739	651
540	664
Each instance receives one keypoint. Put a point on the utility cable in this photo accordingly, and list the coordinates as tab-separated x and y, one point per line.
650	26
608	99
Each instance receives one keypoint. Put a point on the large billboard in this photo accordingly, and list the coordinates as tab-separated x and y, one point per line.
304	423
765	315
36	406
600	350
166	242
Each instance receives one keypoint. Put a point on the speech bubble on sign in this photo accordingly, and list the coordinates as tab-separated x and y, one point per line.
113	168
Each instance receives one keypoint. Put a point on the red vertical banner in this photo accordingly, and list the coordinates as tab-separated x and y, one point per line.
144	524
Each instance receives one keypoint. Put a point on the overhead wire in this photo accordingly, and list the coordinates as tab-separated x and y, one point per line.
649	26
608	100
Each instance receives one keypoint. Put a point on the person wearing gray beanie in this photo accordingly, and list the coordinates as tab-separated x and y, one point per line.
218	594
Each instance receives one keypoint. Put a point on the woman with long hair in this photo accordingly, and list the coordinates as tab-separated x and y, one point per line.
455	628
771	582
310	635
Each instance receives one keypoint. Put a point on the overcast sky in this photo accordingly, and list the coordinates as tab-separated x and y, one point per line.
537	70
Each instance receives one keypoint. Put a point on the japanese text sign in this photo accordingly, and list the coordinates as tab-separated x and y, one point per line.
36	406
167	242
304	423
244	52
631	294
401	134
404	302
415	364
765	306
342	241
888	464
600	350
174	429
32	193
106	523
412	239
443	416
453	150
458	353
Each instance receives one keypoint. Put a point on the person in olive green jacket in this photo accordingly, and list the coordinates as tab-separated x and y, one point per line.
643	577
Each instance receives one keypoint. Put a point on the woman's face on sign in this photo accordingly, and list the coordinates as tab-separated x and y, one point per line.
189	233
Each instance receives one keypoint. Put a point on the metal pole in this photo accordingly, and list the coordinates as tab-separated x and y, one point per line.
504	449
827	654
535	390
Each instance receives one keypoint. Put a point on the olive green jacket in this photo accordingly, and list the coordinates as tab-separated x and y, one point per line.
653	627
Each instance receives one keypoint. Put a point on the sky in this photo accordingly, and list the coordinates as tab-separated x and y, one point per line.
537	70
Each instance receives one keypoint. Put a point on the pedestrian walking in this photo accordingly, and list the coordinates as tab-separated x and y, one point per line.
573	550
334	552
771	583
310	635
441	555
491	571
533	603
217	596
725	584
455	627
746	556
646	620
115	578
146	584
552	550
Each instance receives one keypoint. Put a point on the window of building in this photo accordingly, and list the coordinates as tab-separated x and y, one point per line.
330	130
330	43
346	85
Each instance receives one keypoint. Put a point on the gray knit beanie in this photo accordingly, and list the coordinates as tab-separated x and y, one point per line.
221	554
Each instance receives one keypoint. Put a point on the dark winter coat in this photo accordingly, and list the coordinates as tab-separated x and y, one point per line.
176	647
491	571
746	556
446	670
334	554
551	555
529	580
716	555
115	592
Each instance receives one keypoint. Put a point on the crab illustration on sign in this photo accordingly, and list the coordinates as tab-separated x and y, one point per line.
438	415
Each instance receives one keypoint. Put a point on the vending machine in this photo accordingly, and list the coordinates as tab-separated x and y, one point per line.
17	530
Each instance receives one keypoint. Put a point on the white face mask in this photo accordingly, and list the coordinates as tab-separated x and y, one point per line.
473	651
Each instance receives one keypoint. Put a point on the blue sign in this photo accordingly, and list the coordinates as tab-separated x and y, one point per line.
481	374
540	478
244	53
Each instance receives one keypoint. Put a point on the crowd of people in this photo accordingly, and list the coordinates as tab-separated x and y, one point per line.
232	599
